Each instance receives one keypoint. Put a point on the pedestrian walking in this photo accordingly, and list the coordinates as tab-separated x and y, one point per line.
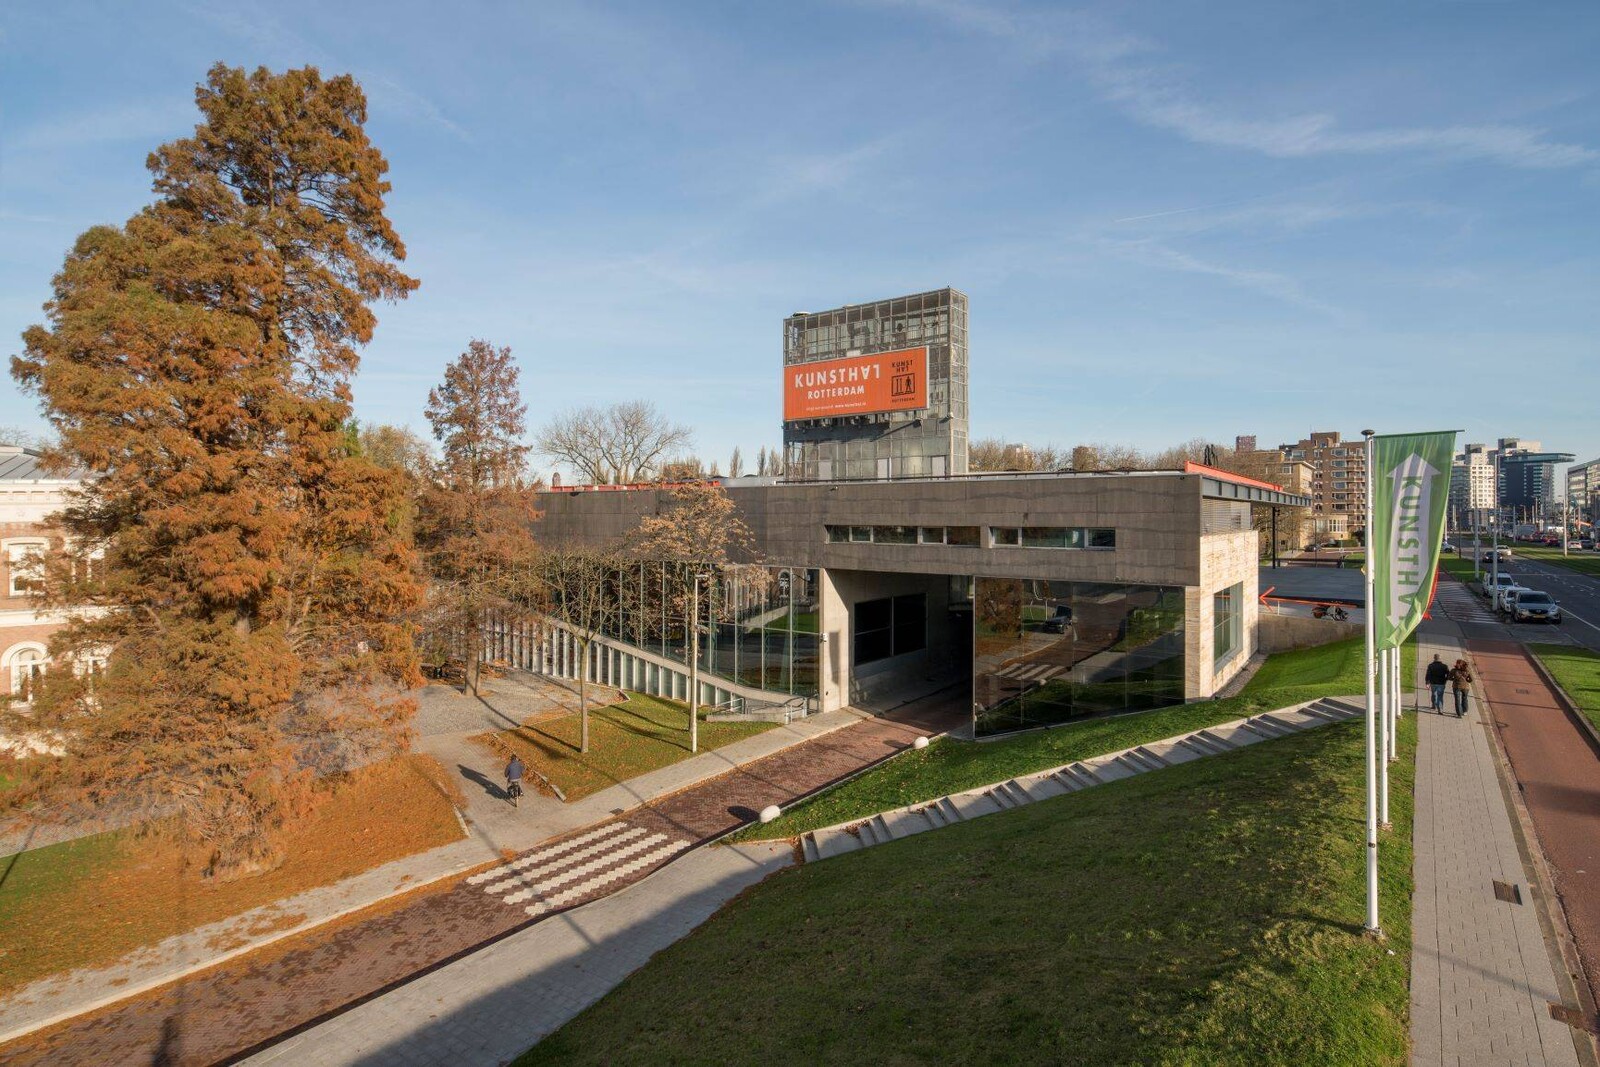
1461	685
1438	675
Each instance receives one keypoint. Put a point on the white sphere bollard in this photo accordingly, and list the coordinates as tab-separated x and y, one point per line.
921	742
770	812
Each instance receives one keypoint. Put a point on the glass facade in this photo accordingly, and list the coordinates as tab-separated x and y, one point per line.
758	624
1046	652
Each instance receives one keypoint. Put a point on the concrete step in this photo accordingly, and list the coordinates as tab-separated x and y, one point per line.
831	843
973	805
898	824
949	811
1108	769
1268	727
1206	744
1172	752
808	848
1233	736
1082	774
1041	786
1143	756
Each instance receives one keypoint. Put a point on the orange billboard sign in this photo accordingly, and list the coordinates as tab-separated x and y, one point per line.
856	385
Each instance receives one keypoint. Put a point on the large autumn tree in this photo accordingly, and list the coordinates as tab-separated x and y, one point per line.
474	522
251	609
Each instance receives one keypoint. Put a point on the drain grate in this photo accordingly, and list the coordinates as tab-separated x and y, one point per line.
1509	892
1574	1018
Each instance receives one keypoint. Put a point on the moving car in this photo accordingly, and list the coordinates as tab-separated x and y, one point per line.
1535	605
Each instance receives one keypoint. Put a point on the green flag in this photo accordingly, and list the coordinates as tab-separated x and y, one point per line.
1410	488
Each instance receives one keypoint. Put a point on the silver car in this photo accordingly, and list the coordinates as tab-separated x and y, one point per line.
1534	605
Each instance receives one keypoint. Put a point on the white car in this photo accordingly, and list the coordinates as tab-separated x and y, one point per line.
1506	597
1506	581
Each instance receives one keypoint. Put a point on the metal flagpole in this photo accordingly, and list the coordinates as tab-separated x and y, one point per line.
1372	925
1398	709
1384	656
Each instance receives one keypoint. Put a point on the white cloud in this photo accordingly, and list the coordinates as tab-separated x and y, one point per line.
1119	68
1279	287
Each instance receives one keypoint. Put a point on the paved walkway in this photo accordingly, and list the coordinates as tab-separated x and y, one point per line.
1481	974
249	1001
490	1007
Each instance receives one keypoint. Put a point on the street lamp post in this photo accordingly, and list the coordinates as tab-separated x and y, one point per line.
694	662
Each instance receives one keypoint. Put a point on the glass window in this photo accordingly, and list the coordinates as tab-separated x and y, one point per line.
1044	537
837	534
1227	623
1047	652
932	535
894	535
891	626
23	562
1006	535
1102	539
861	533
963	535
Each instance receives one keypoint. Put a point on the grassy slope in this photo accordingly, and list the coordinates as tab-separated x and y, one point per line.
625	740
948	766
92	900
1205	914
1576	670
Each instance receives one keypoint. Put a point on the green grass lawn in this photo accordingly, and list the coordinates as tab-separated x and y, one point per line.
950	766
1205	914
1458	567
1580	561
626	740
1576	670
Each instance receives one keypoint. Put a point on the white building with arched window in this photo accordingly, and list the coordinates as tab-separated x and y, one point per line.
29	496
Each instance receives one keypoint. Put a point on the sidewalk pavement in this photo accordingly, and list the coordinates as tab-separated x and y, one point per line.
491	1006
489	836
1482	976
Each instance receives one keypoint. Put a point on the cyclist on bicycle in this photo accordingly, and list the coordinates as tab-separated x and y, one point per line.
514	773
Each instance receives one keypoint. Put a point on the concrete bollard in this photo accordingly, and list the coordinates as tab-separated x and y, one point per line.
921	742
770	812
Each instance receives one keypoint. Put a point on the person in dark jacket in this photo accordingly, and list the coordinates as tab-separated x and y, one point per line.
1438	674
1461	685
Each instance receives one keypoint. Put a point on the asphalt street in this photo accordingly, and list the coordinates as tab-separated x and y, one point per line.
1578	595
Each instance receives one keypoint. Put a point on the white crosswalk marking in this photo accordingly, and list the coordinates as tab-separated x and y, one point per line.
1461	604
1030	672
533	874
568	895
541	854
562	878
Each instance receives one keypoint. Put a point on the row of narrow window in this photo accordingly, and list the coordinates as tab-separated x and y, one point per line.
1089	537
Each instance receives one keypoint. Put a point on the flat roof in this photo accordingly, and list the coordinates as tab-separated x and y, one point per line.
1215	483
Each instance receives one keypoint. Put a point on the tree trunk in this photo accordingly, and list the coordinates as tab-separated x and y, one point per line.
583	696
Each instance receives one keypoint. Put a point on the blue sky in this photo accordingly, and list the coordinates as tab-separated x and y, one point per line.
1173	219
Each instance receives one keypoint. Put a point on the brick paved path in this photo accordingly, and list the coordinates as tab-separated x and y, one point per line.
244	1004
1560	781
1481	974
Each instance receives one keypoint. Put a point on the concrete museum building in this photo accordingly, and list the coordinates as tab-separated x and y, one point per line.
882	571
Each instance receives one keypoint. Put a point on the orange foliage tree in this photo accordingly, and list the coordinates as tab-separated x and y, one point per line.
252	609
475	519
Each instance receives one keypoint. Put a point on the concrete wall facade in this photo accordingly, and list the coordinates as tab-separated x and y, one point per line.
1156	516
1226	559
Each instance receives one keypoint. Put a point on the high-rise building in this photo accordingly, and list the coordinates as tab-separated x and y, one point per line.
1583	491
877	390
1471	485
1338	482
1526	489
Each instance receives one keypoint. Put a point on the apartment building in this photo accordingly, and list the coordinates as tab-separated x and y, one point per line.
1338	481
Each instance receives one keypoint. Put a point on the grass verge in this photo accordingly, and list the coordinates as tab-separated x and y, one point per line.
1205	914
642	734
1577	671
91	901
949	766
1580	561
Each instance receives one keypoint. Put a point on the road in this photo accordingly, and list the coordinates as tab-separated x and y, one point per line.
1578	595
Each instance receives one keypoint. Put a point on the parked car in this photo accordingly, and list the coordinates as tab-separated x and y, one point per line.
1586	543
1058	623
1506	581
1447	547
1535	605
1506	597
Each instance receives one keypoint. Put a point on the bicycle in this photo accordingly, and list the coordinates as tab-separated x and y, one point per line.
514	791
